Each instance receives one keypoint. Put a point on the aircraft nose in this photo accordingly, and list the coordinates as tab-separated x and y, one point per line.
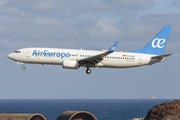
11	56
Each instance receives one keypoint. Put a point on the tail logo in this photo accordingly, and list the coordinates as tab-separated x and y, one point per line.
158	42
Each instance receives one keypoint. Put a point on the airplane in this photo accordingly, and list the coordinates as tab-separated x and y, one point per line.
152	53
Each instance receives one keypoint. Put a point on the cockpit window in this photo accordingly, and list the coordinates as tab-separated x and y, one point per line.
17	51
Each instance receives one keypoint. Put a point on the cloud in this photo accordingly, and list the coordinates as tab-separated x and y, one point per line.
2	2
106	29
44	23
130	5
176	3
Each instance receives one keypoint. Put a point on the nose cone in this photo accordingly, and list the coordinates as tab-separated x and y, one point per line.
11	56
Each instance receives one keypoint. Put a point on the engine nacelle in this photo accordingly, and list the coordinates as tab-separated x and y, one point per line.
70	64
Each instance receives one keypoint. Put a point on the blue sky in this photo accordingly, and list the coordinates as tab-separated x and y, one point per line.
93	25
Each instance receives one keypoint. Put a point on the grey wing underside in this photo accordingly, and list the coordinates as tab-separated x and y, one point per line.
93	61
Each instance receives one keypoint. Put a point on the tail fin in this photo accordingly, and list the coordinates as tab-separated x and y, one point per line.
157	45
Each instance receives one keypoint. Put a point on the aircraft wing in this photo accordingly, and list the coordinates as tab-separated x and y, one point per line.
91	61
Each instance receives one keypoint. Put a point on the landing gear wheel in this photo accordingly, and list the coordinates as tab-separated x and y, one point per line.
23	67
88	71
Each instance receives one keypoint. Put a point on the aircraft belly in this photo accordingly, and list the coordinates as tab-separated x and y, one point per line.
119	64
46	60
51	61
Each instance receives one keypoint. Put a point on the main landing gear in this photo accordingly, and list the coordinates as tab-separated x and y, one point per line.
88	71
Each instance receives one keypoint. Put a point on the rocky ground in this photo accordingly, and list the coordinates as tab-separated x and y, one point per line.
165	111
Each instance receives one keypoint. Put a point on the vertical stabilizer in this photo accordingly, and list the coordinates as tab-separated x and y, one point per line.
157	45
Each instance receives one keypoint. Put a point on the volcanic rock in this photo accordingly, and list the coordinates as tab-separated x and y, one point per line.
165	111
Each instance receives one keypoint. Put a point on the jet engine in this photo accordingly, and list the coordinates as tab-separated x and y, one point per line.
70	64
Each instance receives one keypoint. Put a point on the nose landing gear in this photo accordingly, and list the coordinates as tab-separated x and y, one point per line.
23	67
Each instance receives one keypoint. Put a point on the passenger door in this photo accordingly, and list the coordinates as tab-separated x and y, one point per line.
28	52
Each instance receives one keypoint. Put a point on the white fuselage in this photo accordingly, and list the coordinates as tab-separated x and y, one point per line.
56	56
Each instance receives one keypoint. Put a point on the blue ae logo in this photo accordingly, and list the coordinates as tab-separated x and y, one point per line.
158	42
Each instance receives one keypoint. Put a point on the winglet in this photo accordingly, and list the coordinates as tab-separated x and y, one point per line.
112	48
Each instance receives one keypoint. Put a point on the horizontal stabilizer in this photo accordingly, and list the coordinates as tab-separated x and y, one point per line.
162	56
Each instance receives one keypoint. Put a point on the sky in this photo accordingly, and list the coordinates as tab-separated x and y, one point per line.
88	24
